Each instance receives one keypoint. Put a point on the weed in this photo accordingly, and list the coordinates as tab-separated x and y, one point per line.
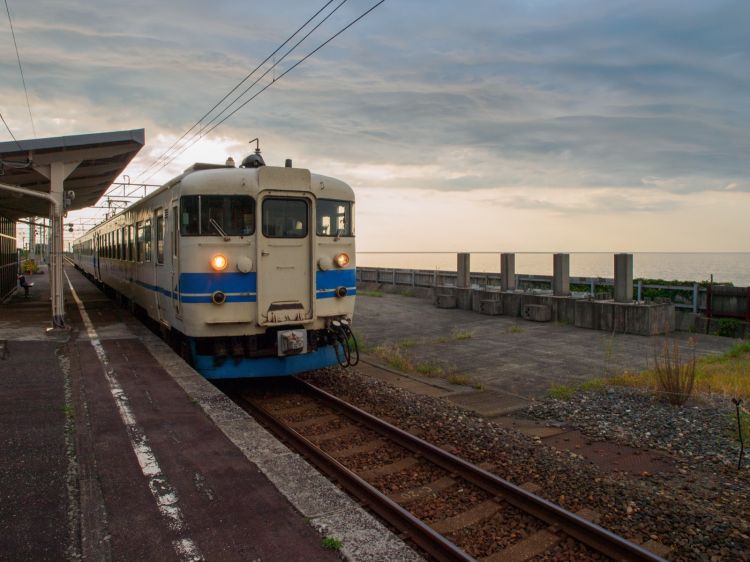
68	411
562	392
362	343
406	344
367	293
459	380
459	335
394	357
429	369
515	329
592	385
728	327
738	350
442	339
332	543
476	385
408	293
674	377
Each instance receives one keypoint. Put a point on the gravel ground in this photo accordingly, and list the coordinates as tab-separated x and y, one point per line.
704	432
700	511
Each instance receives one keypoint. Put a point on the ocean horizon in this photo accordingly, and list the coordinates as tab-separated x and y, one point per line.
726	267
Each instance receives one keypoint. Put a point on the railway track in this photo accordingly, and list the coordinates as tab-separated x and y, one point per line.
450	508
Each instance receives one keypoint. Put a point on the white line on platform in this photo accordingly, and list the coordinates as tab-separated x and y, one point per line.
165	496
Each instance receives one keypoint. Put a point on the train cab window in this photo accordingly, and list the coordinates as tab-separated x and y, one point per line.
159	236
191	214
284	218
212	215
334	218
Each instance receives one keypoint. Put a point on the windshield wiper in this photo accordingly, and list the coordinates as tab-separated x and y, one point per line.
218	228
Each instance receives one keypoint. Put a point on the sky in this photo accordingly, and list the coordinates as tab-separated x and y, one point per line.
485	126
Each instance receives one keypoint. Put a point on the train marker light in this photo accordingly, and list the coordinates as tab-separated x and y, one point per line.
219	262
341	260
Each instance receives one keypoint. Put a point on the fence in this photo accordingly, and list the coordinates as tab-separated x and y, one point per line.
694	299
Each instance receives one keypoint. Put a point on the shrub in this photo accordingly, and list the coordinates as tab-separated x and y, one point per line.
674	378
728	327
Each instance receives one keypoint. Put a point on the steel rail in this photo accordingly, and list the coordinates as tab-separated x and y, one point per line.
591	534
418	531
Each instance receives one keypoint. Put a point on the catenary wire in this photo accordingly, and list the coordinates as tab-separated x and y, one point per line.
195	137
287	71
20	68
11	132
175	143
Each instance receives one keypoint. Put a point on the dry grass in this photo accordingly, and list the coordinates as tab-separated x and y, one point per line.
675	377
727	374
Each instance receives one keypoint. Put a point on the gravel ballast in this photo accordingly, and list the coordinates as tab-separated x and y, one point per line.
699	510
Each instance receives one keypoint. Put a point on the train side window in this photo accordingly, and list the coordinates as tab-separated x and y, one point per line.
284	218
124	243
118	245
190	215
147	240
140	240
131	255
334	218
159	236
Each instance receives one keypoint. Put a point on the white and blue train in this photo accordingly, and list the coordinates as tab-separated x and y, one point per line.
248	272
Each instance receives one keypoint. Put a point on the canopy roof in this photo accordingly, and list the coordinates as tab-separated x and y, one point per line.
102	157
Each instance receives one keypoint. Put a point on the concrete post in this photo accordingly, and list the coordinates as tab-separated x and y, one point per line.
508	272
463	279
623	277
561	275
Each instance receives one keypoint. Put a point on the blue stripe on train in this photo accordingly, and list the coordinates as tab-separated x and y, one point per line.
193	284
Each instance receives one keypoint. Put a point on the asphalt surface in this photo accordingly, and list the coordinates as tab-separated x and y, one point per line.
99	501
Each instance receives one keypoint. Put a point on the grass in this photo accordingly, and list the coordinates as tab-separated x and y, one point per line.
394	356
332	543
727	374
408	293
515	329
367	293
456	335
562	391
406	344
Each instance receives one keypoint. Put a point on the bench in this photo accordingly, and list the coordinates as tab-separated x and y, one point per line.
26	286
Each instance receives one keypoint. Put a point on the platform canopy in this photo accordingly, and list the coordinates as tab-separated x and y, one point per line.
95	159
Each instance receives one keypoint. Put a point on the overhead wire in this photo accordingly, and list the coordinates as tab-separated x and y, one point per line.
287	71
217	104
11	132
20	68
195	137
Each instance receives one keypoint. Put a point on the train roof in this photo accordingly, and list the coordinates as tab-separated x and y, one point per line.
202	178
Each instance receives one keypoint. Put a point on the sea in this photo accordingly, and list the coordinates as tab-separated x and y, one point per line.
726	267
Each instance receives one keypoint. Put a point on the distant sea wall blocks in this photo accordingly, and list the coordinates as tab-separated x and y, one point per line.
618	304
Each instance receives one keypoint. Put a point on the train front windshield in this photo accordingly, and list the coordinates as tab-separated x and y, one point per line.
201	214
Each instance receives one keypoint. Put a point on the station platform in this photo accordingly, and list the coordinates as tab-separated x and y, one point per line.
112	450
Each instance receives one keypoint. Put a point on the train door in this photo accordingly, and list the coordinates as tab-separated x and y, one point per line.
285	280
162	273
174	222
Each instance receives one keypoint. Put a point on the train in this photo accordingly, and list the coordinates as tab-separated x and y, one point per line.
247	271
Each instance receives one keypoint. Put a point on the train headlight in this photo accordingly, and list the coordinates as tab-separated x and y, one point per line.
219	262
341	260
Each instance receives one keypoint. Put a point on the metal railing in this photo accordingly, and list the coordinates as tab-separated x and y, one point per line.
694	300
